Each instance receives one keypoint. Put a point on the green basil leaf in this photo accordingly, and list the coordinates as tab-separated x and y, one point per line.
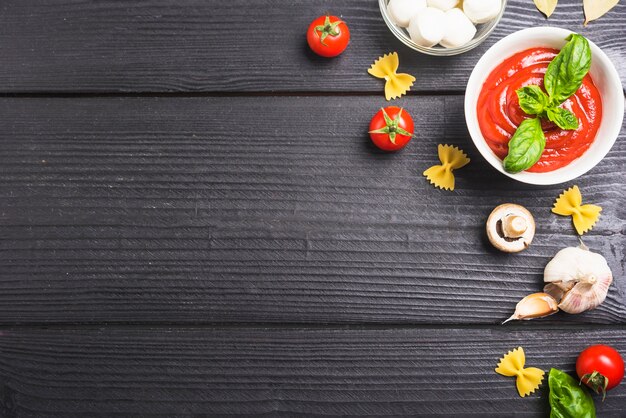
566	71
568	399
532	99
563	118
525	147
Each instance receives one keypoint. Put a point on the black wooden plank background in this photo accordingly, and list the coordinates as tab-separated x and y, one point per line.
125	209
185	372
236	45
193	221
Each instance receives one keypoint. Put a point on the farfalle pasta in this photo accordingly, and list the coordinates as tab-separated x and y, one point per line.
528	379
569	203
451	158
397	84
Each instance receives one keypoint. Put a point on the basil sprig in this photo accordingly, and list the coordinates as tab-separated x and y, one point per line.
568	399
525	147
532	100
563	118
563	77
566	71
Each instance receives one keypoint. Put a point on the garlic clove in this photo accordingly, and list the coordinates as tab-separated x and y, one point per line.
536	305
555	291
585	296
578	278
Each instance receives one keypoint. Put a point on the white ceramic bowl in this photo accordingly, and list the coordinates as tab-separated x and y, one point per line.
604	76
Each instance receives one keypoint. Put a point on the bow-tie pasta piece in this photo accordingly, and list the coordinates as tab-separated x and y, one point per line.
528	379
569	203
396	84
451	158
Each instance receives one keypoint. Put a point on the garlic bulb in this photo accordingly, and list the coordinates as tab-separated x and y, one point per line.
578	279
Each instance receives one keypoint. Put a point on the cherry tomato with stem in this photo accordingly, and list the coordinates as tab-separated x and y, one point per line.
600	367
328	36
391	128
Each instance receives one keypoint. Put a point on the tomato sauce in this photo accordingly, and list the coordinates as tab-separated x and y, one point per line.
499	113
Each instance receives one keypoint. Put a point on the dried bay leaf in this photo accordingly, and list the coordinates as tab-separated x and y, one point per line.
595	9
546	6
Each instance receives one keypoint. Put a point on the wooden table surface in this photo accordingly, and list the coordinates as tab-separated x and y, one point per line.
193	221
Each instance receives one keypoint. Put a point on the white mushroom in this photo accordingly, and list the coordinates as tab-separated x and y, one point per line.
578	279
510	228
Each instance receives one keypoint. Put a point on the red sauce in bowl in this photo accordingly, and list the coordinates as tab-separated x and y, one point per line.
499	113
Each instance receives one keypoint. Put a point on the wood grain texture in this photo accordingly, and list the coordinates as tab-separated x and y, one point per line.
267	210
237	45
179	372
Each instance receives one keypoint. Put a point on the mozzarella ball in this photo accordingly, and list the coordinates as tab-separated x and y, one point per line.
458	31
427	27
443	4
401	11
482	11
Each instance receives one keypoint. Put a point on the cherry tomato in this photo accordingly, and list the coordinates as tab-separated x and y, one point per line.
600	367
391	128
328	36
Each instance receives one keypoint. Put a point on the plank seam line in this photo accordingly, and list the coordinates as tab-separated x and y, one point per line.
521	327
226	94
211	94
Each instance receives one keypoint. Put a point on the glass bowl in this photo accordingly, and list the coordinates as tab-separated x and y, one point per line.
482	32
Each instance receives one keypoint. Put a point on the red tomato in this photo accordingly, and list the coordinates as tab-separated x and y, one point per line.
328	36
391	128
600	367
